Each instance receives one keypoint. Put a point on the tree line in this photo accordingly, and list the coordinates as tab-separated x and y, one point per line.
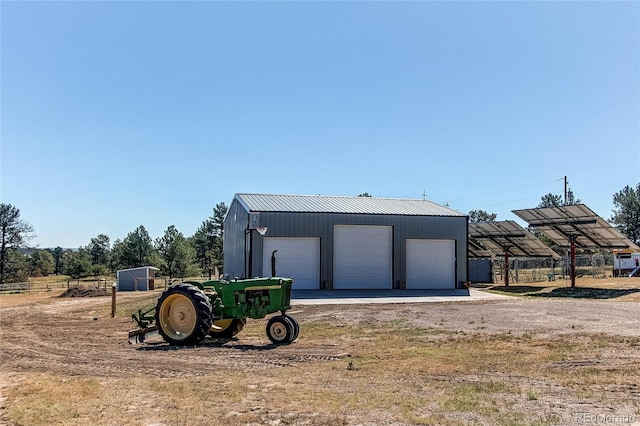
173	253
200	254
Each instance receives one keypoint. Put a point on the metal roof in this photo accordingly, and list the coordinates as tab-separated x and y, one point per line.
342	204
577	222
505	236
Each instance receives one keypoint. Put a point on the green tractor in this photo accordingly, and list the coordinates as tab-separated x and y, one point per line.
189	311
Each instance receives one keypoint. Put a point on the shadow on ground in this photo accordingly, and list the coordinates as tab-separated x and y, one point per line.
587	292
517	290
207	343
566	292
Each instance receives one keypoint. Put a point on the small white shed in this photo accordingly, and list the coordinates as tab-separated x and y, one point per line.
626	262
141	278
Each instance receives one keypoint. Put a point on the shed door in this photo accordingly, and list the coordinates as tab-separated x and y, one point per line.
431	264
297	257
362	257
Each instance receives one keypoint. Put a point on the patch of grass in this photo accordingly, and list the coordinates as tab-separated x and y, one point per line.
396	322
331	329
126	304
586	293
44	399
563	292
516	290
471	397
627	289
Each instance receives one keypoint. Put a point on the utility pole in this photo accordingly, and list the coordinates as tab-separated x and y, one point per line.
566	185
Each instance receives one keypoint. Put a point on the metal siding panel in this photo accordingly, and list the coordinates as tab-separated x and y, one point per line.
297	225
233	241
445	228
480	271
126	280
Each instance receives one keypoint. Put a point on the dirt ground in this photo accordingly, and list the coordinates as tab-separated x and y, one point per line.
76	337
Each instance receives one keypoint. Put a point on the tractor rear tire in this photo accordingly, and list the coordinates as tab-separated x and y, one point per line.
229	328
183	314
280	330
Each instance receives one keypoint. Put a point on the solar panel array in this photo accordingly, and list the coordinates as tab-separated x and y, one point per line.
502	237
576	222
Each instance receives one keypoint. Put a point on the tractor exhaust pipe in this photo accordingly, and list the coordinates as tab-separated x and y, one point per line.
273	263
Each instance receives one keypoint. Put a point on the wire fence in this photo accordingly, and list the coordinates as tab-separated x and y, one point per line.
46	286
527	270
40	286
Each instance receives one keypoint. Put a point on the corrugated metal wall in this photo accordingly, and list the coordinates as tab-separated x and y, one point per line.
127	280
321	225
480	271
234	239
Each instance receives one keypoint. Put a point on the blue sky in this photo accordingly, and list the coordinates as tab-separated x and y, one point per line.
120	114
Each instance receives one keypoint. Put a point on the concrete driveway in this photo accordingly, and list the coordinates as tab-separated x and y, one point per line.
351	297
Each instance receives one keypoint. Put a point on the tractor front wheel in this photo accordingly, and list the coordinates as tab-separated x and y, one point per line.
183	314
280	330
296	326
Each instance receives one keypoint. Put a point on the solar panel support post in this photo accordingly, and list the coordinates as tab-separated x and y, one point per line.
572	240
506	268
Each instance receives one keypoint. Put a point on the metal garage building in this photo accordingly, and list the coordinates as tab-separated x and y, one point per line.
334	242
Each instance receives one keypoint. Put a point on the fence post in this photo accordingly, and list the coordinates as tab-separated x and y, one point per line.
113	299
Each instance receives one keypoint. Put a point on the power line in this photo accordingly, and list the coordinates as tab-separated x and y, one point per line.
505	190
508	202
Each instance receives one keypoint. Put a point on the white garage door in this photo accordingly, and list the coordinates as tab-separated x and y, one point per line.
431	264
362	257
297	257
